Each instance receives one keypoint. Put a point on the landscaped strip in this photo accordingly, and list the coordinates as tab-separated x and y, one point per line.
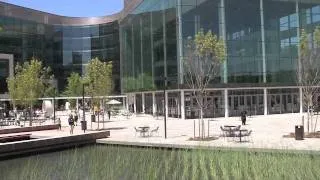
117	162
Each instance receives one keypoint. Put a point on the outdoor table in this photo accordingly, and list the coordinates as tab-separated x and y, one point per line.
240	133
144	129
229	127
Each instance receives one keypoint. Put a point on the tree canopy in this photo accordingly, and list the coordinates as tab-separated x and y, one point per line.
98	78
74	86
30	82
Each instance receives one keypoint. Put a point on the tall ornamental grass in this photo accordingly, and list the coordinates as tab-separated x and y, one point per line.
113	162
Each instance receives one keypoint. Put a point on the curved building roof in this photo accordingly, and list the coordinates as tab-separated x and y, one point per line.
19	12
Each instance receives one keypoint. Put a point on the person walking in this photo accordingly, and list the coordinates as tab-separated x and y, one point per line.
109	114
59	123
243	117
76	117
71	123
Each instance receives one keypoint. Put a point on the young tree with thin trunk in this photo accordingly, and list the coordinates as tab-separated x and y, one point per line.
28	84
204	55
99	79
74	88
308	72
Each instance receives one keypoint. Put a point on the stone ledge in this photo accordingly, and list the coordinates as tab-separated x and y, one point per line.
52	143
29	129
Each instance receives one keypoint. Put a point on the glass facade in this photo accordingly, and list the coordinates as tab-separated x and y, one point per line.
64	48
148	43
149	46
261	38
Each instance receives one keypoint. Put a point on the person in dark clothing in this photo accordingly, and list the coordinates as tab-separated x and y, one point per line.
109	114
76	117
71	123
243	117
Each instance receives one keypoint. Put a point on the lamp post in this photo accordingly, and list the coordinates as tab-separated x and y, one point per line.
83	122
164	107
83	113
54	107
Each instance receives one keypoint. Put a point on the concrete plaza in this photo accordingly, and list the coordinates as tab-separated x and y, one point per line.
267	131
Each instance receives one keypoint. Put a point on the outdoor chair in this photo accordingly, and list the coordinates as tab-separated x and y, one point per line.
156	130
248	136
223	132
245	136
137	131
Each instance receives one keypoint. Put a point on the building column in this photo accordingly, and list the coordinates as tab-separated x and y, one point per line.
141	56
152	53
182	105
143	102
301	100
121	58
180	44
223	36
263	43
298	37
226	105
125	103
265	101
164	43
134	103
133	61
154	108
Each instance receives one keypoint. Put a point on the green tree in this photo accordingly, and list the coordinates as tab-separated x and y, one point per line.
74	88
13	90
204	55
28	83
98	78
308	72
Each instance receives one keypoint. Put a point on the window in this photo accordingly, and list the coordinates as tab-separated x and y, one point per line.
316	14
293	21
284	23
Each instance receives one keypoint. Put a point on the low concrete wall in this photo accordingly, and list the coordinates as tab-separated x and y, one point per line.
49	144
29	129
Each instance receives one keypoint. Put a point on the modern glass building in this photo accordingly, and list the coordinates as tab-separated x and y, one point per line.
66	44
147	41
258	76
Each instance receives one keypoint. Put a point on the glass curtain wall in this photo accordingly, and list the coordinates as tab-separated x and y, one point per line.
196	15
63	48
80	44
243	30
281	40
148	46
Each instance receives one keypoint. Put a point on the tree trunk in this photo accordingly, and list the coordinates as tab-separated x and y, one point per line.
98	118
308	120
199	122
202	122
31	114
103	113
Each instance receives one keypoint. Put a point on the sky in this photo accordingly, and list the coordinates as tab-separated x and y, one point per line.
73	8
